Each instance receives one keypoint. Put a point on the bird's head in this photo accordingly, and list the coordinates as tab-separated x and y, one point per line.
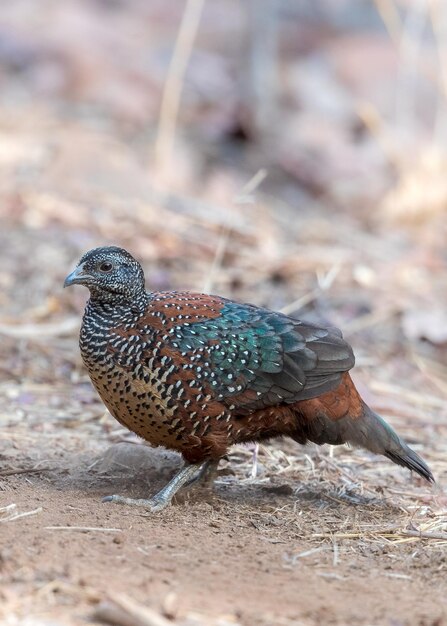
110	273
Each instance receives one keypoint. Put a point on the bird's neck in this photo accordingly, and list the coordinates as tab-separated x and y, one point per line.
115	308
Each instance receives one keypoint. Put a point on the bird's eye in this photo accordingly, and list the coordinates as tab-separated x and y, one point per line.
106	267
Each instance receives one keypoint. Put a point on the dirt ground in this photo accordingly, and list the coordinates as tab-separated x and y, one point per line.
305	542
348	228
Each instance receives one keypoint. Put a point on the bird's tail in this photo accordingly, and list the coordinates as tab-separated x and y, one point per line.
374	434
367	430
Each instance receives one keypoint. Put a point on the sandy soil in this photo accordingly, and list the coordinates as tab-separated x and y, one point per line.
293	546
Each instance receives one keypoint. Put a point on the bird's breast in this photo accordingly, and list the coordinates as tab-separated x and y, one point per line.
137	391
143	406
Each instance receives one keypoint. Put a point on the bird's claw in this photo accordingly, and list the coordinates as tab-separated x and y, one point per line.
153	504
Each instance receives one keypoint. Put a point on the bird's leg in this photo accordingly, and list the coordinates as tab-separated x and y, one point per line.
206	475
187	475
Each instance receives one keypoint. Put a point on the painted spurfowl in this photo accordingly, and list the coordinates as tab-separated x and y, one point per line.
197	373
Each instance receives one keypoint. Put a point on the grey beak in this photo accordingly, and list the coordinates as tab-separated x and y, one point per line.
77	277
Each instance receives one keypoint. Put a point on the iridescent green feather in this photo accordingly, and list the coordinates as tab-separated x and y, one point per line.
275	356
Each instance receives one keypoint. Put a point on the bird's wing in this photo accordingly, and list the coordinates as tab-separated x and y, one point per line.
244	356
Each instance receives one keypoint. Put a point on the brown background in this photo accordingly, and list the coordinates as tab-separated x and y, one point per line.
342	103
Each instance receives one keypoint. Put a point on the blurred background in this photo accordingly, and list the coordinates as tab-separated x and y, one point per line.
289	154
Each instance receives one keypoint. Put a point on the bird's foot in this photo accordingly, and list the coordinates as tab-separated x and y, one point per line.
153	505
188	474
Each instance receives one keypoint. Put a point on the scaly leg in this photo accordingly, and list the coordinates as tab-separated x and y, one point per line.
187	475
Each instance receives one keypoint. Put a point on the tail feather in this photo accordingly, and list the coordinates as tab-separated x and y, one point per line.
413	461
384	440
368	430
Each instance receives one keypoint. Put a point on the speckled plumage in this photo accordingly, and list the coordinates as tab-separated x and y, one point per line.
198	373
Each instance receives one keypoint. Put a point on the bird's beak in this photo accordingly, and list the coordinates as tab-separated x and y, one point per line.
77	277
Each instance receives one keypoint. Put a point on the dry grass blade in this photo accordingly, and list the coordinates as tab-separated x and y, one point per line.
324	283
85	529
122	611
13	518
218	258
8	508
409	58
391	18
401	576
438	18
431	370
75	591
174	82
244	197
421	534
420	399
399	535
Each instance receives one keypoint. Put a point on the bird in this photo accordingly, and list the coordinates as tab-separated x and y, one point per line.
197	373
